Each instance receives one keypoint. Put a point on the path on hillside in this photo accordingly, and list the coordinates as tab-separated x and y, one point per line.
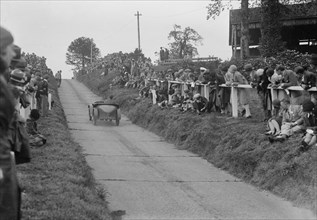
151	179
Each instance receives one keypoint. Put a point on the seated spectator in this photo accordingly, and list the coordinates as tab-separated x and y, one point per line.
291	121
309	118
187	101
175	93
35	137
274	123
199	103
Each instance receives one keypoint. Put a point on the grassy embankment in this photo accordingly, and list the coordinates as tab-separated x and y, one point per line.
235	145
58	183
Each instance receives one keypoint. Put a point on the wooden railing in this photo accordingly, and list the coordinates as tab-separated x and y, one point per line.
205	89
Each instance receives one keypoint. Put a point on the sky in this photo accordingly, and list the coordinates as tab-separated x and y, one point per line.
47	28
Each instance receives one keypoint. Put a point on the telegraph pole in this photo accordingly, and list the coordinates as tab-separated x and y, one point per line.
138	15
91	51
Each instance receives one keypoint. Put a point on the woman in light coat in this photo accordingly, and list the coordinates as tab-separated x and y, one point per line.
234	78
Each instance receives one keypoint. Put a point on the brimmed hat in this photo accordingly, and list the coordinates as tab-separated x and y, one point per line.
299	70
232	69
196	96
18	77
259	72
181	70
202	69
6	38
308	106
313	59
248	67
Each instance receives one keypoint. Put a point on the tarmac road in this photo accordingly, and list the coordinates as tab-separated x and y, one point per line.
151	179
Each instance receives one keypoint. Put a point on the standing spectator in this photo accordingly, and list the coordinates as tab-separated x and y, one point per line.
313	63
58	77
263	92
306	78
10	198
215	80
276	78
234	78
162	54
290	79
249	71
42	92
224	92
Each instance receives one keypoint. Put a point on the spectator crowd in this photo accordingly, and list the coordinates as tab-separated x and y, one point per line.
289	112
24	89
24	98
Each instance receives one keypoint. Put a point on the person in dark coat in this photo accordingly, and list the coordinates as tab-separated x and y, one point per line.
263	92
309	118
10	199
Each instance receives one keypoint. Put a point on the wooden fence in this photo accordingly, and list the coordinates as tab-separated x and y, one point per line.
205	89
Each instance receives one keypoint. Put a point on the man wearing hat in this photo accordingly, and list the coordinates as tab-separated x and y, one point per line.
310	124
9	189
313	63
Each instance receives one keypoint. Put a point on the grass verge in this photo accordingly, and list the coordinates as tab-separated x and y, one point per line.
235	145
58	183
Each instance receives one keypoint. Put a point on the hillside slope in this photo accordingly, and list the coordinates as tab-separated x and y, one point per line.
235	145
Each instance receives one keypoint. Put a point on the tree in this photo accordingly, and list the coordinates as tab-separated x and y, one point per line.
184	42
214	9
37	63
271	42
80	52
245	37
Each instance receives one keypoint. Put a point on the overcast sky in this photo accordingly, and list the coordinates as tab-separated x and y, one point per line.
48	27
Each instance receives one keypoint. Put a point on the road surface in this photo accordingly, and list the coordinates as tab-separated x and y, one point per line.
151	179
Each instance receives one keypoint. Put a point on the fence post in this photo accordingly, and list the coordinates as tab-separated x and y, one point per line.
23	112
153	91
49	101
168	91
274	94
206	91
234	101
